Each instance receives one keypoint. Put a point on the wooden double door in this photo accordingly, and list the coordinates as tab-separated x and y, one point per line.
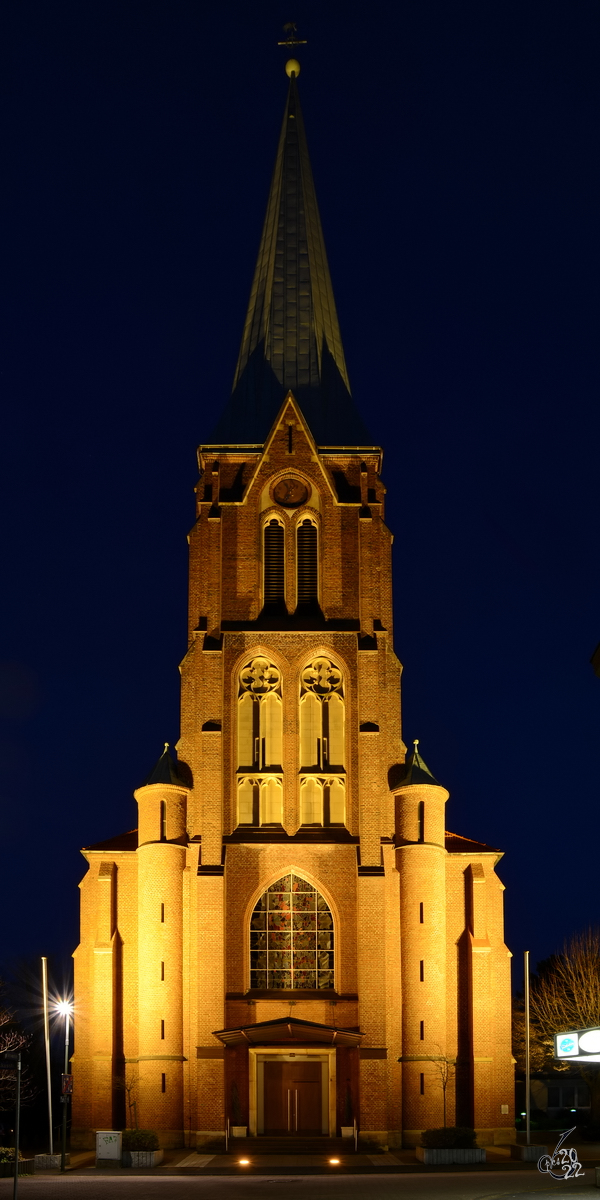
293	1098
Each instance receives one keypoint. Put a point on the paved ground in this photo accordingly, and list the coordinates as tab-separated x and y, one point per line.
191	1176
87	1185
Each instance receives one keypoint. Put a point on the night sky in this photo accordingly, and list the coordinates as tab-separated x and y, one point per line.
454	148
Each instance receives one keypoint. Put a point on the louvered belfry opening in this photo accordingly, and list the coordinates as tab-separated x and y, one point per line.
308	576
274	569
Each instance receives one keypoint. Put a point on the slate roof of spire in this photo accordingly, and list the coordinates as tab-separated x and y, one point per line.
291	337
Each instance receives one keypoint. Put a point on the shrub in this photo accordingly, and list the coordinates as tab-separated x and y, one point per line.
139	1139
541	1122
7	1154
453	1137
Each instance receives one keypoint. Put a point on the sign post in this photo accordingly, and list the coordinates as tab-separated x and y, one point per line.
47	1046
578	1045
9	1057
64	1008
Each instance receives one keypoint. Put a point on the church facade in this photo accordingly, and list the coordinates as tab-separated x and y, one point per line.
291	944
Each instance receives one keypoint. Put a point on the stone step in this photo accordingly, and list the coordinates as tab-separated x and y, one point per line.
290	1145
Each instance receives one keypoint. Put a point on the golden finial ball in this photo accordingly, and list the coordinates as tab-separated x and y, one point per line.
292	67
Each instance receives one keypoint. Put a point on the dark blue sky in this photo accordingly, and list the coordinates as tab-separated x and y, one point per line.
455	154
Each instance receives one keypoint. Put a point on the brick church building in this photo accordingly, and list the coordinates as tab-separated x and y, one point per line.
291	941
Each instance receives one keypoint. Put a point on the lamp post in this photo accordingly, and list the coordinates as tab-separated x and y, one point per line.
527	1054
65	1009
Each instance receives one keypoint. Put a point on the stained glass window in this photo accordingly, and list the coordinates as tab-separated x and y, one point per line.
291	938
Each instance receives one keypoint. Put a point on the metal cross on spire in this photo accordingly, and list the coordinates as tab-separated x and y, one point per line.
291	40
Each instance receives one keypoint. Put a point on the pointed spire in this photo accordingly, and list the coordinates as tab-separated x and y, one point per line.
417	770
164	771
291	337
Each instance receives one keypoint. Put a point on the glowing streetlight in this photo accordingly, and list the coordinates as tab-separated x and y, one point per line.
64	1008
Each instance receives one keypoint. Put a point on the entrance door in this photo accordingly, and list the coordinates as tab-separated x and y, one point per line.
292	1098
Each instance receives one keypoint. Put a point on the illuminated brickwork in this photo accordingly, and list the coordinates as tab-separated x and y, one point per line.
164	959
291	763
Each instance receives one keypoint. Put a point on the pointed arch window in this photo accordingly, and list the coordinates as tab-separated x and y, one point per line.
259	744
292	938
322	744
259	728
273	563
260	801
307	562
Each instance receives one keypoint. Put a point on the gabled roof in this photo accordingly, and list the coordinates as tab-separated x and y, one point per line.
455	844
291	337
123	841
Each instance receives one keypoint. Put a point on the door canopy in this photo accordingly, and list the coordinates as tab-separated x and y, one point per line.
286	1031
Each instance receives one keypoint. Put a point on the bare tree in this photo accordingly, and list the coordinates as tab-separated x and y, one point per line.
541	1049
130	1085
565	994
12	1038
443	1070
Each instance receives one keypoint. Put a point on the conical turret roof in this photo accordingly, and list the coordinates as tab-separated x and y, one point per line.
291	339
164	771
417	770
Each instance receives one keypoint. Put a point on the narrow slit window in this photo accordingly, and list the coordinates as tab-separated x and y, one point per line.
421	821
162	1031
307	563
422	1030
290	439
422	1084
274	584
163	1082
162	913
422	971
421	913
162	971
163	821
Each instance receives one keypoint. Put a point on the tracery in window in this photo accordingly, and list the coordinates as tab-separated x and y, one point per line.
291	938
322	717
259	744
260	801
259	732
322	801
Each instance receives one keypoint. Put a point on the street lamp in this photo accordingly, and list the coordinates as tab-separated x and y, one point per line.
64	1008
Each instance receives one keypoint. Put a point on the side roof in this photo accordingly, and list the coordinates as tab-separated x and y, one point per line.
455	844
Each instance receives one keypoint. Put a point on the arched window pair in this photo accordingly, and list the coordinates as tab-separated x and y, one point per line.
321	751
307	572
291	938
322	744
